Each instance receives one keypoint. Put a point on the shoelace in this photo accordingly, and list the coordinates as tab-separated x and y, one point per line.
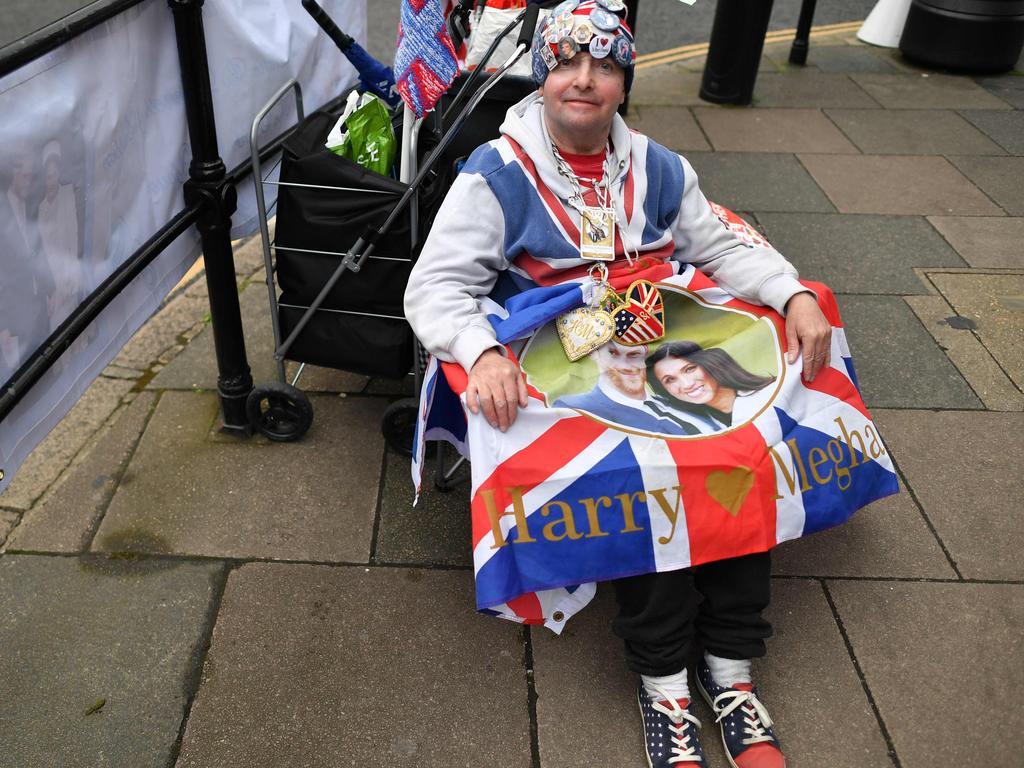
754	714
682	750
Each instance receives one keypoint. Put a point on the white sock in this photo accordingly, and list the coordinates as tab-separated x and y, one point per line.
674	686
728	672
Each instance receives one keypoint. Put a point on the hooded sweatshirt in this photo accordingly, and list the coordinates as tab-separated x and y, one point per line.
506	226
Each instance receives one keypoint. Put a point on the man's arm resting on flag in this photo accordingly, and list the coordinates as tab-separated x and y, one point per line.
809	330
496	387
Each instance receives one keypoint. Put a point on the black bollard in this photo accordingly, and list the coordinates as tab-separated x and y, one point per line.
209	186
734	53
801	44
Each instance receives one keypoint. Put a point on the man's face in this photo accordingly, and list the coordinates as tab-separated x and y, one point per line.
581	95
624	368
21	178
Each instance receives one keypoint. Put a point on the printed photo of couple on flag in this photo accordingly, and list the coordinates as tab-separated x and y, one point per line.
715	369
704	445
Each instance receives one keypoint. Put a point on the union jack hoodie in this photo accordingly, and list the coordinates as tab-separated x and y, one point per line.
506	226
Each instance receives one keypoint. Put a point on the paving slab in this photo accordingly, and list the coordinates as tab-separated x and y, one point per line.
587	712
748	181
771	130
927	90
673	85
309	500
846	59
65	520
196	366
1005	128
937	642
1009	88
97	658
50	458
810	685
984	241
583	688
998	177
983	373
162	331
810	89
348	666
8	520
898	363
673	127
898	185
861	253
887	539
961	468
996	305
913	132
437	530
899	63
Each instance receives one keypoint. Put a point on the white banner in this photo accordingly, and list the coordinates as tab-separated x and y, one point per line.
93	154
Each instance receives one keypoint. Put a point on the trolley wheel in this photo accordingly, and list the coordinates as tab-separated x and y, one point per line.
399	424
279	411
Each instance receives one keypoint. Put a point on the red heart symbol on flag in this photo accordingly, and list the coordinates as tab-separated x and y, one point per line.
640	319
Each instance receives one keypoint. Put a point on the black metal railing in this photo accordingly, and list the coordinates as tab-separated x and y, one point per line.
210	199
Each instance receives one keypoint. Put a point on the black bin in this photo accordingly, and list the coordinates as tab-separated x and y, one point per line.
977	36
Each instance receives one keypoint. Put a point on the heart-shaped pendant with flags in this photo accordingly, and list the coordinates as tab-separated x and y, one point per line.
640	318
583	330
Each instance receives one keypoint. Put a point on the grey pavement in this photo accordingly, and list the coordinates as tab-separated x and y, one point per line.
172	596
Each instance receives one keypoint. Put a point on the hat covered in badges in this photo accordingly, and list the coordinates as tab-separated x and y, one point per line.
597	27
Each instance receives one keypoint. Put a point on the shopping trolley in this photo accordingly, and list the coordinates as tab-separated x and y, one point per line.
335	217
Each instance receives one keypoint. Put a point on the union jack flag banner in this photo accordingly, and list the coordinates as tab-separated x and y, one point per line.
425	59
703	445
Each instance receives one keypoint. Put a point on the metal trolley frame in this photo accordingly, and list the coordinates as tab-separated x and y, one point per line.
280	410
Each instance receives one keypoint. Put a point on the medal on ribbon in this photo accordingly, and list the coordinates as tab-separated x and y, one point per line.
597	233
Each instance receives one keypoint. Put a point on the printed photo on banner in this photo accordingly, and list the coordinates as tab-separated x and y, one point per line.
715	369
42	220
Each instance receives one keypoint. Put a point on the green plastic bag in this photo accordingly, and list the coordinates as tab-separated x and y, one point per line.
364	134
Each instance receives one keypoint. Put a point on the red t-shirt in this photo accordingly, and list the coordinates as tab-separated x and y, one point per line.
587	167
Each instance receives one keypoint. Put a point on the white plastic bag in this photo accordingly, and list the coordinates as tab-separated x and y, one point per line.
487	24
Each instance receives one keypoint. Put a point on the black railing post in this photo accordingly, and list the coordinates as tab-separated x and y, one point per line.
208	184
734	51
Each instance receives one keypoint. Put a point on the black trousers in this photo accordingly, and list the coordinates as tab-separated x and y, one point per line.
664	617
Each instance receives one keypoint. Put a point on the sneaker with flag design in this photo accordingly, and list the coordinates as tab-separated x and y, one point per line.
670	731
747	733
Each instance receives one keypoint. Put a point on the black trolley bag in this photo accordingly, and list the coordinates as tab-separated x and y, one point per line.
325	203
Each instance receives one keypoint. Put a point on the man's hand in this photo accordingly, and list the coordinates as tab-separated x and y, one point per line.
807	328
497	388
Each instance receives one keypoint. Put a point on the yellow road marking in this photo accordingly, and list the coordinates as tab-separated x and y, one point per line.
695	50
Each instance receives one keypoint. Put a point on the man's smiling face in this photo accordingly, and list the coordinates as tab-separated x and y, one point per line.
624	368
581	95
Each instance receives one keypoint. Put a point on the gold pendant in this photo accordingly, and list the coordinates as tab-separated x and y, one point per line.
583	330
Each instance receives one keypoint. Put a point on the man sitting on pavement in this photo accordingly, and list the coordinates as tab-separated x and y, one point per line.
507	225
